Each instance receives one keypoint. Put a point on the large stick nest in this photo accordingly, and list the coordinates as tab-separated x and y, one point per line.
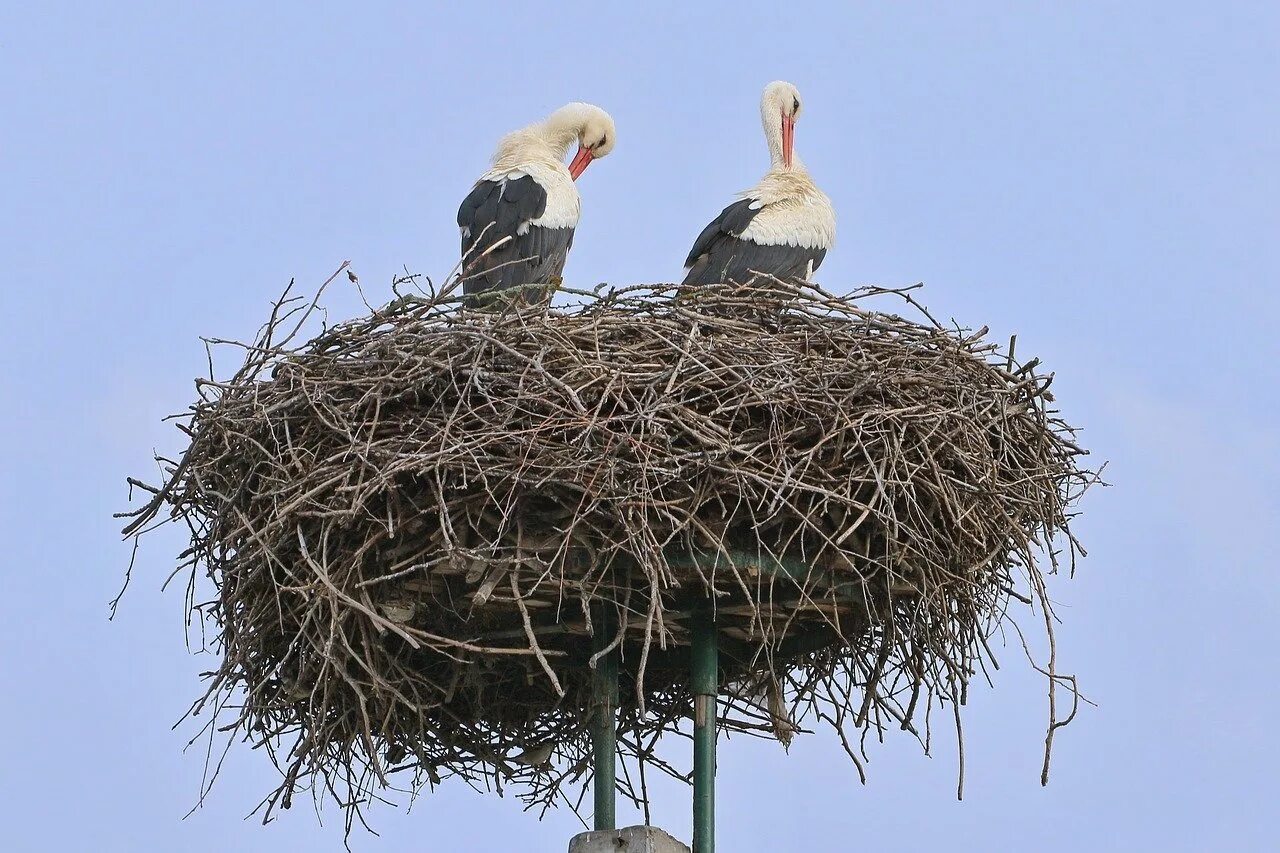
425	525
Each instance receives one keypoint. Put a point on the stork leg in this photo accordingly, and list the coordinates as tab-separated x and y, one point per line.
705	687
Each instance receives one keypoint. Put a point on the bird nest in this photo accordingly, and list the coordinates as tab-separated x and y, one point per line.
425	526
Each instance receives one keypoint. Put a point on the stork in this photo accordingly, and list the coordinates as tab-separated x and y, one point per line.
518	220
782	226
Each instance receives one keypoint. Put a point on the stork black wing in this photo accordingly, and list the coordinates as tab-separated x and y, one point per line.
721	255
731	222
499	247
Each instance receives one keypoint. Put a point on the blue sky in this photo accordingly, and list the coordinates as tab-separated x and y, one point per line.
1099	178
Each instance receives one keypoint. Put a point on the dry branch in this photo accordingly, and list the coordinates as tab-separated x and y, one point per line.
408	519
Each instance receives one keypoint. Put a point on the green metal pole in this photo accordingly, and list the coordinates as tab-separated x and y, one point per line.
604	732
706	670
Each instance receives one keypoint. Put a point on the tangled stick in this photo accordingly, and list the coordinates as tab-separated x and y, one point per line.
412	520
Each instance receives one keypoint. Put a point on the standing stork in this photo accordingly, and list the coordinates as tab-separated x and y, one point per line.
517	222
782	226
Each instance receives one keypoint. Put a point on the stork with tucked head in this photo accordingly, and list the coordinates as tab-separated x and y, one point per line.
517	223
782	226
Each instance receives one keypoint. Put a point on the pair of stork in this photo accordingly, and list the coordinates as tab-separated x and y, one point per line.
518	221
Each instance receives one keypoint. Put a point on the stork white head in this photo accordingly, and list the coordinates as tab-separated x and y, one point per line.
779	109
591	126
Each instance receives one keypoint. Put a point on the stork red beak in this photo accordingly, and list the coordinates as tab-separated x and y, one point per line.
581	161
788	139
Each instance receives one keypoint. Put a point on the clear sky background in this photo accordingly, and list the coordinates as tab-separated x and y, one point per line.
1100	178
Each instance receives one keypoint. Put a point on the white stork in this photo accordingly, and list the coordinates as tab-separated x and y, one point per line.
782	226
517	223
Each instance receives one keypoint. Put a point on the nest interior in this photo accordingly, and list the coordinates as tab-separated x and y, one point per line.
425	525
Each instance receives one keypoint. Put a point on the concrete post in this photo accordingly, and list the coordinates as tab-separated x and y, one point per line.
630	839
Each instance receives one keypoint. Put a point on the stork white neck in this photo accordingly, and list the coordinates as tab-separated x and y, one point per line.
564	126
551	138
779	105
772	121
